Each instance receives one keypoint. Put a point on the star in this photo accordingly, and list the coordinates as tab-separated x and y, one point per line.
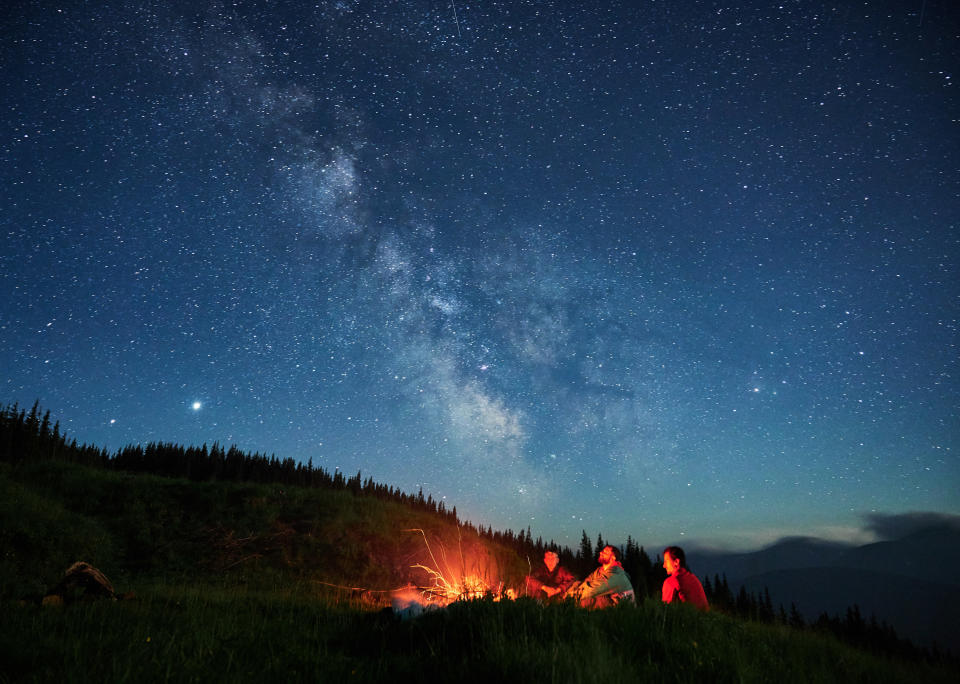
600	300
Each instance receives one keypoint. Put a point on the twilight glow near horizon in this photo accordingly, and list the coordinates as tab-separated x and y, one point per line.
684	271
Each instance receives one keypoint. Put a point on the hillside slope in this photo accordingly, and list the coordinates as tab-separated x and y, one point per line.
54	513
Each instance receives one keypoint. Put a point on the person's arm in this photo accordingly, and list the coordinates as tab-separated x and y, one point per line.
565	579
596	584
579	589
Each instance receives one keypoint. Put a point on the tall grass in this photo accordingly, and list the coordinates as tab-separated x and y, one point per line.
219	632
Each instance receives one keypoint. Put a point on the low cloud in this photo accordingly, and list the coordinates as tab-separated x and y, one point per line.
897	525
876	527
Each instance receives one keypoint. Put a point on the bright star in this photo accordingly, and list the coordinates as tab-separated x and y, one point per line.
196	406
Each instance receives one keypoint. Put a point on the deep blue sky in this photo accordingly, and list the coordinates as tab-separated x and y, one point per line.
685	271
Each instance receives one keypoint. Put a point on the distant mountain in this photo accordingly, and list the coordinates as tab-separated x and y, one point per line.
912	582
787	554
922	611
931	554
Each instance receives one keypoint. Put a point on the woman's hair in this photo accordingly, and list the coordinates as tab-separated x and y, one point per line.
677	554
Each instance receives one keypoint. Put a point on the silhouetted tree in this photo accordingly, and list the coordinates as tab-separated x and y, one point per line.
584	560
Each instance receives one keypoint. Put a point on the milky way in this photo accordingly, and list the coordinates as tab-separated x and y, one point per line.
685	271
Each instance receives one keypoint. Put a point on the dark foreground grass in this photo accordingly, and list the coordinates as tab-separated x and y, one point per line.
201	633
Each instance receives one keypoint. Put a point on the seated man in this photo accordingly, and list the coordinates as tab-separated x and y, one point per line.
607	585
550	580
681	584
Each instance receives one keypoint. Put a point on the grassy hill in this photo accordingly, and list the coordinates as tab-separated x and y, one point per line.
130	526
246	582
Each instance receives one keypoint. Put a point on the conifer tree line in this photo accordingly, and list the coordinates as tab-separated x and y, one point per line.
868	634
30	437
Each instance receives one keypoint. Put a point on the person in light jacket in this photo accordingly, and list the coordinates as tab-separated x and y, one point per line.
607	585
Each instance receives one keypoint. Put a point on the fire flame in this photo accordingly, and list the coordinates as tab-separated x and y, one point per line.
445	588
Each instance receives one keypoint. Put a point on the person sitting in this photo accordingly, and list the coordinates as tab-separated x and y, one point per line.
607	585
551	580
681	584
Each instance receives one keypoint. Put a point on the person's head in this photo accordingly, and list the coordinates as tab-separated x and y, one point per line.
608	554
674	559
550	559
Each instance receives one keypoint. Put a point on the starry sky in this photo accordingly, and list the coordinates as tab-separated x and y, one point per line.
686	271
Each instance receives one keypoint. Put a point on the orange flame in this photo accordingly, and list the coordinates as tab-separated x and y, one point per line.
447	584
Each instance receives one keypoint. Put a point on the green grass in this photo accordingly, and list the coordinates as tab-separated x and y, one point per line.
201	633
52	514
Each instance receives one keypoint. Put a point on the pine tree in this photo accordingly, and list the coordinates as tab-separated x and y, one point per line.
585	554
765	607
744	603
795	619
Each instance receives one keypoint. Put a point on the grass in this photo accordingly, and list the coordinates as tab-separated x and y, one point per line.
218	632
52	514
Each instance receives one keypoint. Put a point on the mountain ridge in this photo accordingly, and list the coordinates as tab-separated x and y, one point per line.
909	582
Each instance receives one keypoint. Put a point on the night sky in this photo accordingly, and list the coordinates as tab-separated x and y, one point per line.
686	271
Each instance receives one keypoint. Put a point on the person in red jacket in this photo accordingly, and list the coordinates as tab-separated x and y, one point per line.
681	584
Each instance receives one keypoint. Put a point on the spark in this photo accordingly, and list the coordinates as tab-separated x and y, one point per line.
444	590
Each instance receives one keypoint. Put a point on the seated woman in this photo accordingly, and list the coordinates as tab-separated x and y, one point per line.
681	584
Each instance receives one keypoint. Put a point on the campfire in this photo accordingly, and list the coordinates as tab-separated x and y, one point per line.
461	578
